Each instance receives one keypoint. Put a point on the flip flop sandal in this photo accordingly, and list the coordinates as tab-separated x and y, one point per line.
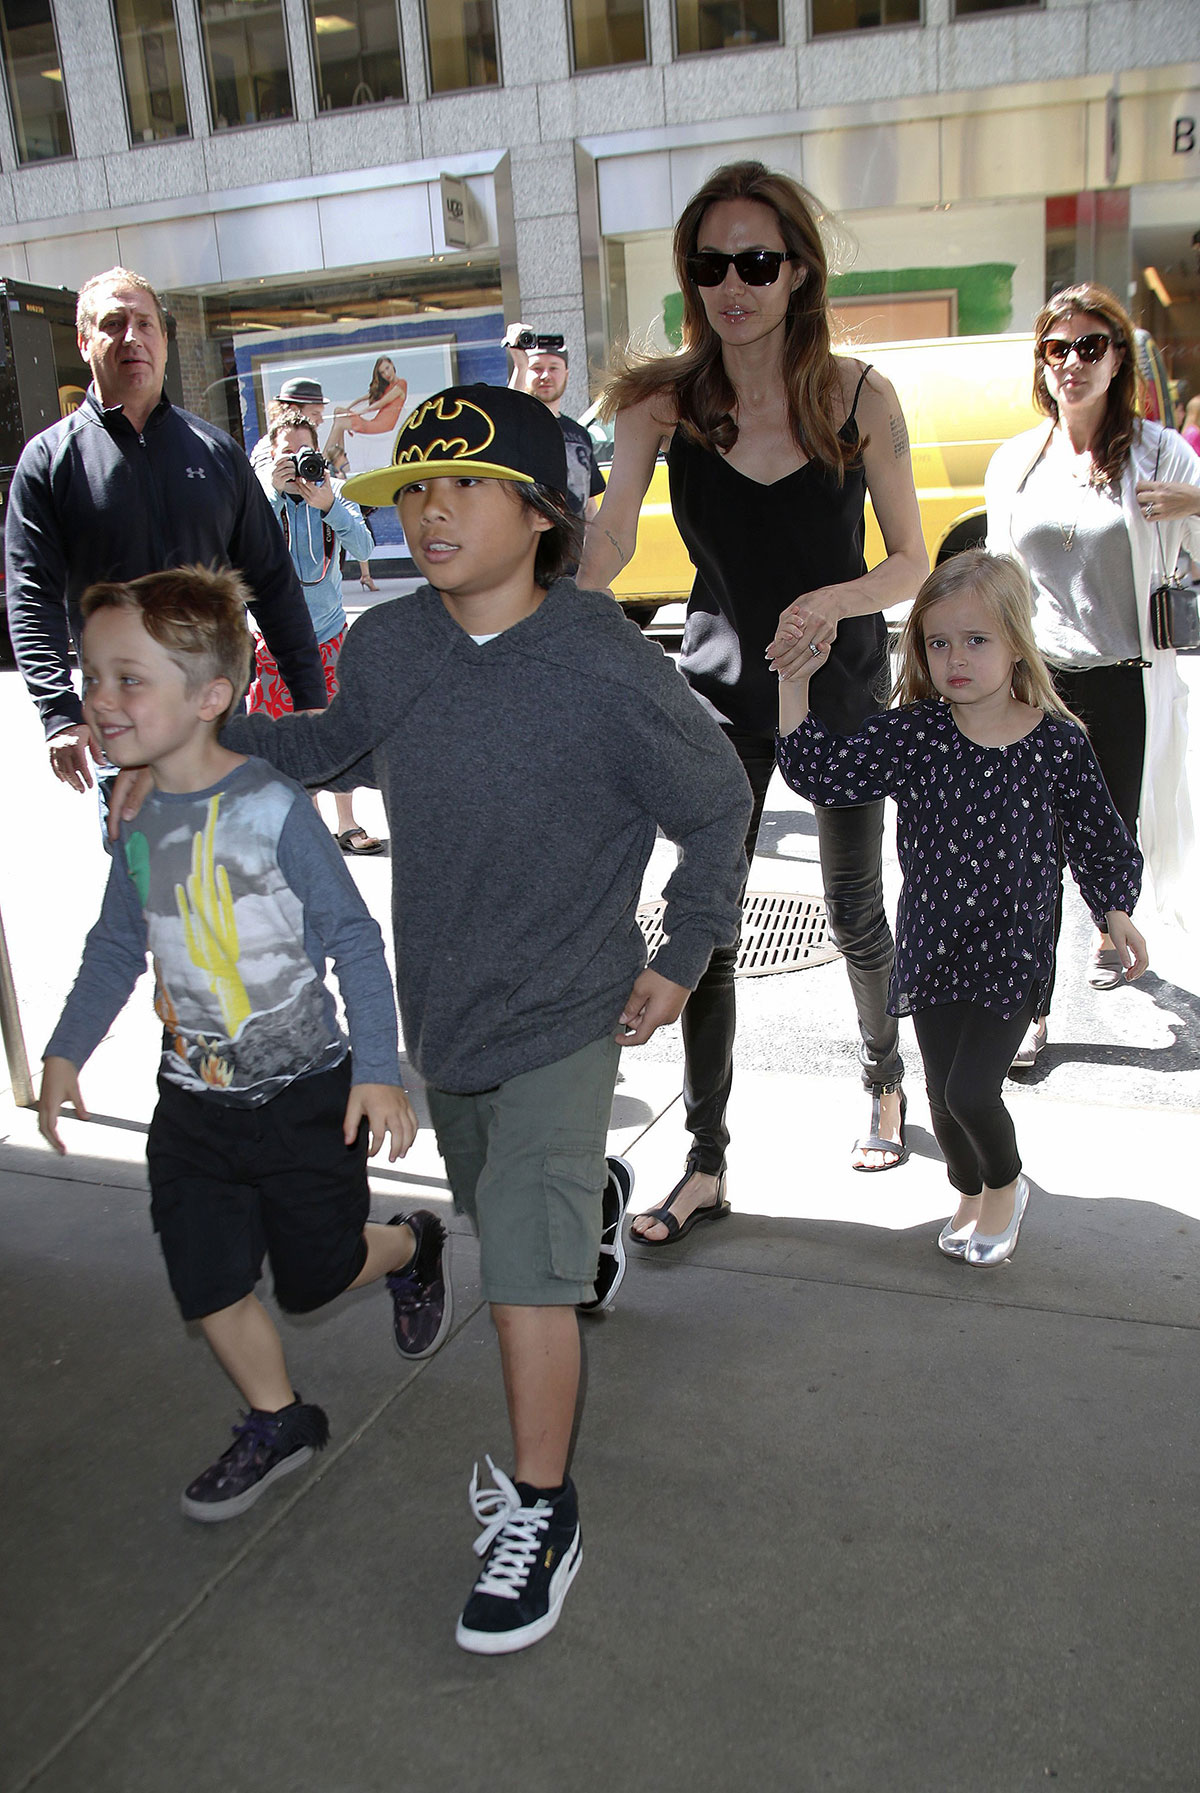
873	1143
676	1229
357	840
1106	971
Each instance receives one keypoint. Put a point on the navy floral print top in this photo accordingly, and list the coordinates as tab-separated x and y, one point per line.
976	837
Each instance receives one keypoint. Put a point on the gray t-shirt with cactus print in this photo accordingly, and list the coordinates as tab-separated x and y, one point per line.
240	895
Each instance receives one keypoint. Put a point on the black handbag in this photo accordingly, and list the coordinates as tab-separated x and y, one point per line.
1174	607
1175	616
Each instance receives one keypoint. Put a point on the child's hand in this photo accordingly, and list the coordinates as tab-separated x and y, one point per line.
1129	944
653	1002
386	1109
60	1083
791	655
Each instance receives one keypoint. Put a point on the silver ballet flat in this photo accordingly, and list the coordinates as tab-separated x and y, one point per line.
985	1250
952	1241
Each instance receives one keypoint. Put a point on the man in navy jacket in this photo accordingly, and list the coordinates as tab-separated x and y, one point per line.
130	484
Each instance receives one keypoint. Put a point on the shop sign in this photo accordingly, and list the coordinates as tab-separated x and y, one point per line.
462	225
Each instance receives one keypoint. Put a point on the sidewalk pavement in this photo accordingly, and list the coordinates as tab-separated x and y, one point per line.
855	1517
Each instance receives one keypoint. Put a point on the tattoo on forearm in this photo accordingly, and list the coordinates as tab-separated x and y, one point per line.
899	436
616	544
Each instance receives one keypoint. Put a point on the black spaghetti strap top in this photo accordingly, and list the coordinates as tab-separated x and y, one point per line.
756	548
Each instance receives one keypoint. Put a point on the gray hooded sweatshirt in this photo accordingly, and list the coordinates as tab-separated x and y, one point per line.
524	779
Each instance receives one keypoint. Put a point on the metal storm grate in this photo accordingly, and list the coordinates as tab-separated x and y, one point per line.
780	932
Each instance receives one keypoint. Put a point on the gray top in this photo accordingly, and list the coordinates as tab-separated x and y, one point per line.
523	781
239	894
1084	607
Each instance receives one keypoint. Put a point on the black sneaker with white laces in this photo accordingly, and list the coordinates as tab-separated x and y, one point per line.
422	1299
611	1266
532	1551
265	1447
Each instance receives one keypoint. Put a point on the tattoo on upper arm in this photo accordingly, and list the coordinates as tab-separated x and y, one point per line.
899	435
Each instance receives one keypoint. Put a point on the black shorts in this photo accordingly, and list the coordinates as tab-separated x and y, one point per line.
230	1186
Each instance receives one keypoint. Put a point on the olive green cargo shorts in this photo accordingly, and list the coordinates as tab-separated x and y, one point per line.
526	1165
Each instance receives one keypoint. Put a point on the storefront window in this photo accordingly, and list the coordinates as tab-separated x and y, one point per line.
461	39
607	32
376	344
356	53
862	15
33	75
245	50
148	43
724	24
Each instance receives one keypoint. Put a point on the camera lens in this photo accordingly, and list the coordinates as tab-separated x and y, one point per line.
310	465
527	340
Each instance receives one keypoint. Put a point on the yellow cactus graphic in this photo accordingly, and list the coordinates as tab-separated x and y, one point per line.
206	911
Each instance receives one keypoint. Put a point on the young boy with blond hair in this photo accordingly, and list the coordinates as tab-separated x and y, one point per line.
265	1119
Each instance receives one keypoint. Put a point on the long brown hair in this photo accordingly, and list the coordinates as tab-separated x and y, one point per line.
1121	420
696	378
1003	585
379	385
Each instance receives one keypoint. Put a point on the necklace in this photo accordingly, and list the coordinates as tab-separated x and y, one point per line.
1082	482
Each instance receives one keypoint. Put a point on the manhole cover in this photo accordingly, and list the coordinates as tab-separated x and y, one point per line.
780	932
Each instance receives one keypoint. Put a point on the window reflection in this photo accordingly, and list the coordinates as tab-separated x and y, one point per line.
33	74
148	43
461	40
357	59
245	50
724	24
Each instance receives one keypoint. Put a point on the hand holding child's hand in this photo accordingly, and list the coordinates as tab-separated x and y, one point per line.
386	1109
60	1083
653	1002
794	655
1129	944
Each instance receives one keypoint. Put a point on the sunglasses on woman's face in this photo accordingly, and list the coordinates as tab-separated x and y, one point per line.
756	267
1093	347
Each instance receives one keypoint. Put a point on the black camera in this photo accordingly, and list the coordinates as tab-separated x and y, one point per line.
528	339
310	465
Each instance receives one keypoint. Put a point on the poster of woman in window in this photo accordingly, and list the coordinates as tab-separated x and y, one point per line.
376	413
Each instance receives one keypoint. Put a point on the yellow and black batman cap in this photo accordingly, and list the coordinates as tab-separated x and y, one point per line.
481	432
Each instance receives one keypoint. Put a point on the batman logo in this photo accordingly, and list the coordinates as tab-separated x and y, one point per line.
475	433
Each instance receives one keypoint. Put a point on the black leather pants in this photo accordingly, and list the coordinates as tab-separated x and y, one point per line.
851	848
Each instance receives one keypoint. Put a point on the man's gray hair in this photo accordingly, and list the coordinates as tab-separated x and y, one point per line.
85	307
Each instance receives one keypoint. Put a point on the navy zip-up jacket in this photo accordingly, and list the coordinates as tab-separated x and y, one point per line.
92	498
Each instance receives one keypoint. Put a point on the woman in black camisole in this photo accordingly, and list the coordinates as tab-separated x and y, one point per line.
774	443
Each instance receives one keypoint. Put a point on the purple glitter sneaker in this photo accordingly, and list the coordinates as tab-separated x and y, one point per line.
265	1447
422	1299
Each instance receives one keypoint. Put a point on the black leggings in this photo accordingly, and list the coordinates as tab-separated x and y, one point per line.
967	1051
1111	703
851	848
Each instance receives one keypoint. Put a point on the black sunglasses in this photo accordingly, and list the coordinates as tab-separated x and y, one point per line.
1093	347
756	267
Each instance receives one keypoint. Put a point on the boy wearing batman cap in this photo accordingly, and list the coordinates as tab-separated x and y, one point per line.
528	740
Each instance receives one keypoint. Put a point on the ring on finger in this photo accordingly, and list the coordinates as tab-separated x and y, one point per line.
814	650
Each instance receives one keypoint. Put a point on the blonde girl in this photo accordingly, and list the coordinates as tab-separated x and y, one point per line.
988	770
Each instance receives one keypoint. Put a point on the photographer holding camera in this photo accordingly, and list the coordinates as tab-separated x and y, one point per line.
317	523
540	369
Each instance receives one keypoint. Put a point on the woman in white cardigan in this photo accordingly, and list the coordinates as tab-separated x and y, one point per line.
1097	506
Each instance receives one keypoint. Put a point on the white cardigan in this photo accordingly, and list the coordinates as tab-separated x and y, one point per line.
1165	818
